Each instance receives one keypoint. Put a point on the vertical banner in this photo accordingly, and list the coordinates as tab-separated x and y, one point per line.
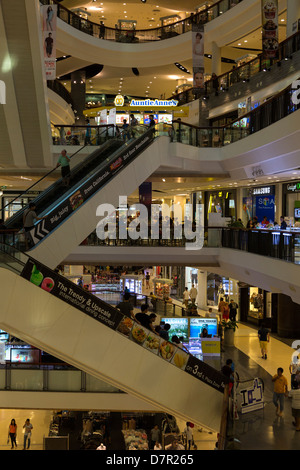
49	14
270	29
198	55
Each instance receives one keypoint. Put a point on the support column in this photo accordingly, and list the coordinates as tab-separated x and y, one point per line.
216	59
293	15
78	89
202	290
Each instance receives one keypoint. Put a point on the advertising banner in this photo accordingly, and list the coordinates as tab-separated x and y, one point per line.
64	289
265	206
198	55
90	187
270	28
49	15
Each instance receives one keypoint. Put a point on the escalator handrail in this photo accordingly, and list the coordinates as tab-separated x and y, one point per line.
49	173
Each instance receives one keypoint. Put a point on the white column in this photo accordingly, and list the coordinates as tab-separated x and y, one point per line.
202	290
293	14
76	270
216	66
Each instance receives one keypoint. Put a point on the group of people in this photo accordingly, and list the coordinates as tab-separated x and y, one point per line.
281	391
190	295
254	223
12	434
228	311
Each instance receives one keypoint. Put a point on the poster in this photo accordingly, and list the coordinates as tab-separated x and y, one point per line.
49	20
270	29
198	55
265	206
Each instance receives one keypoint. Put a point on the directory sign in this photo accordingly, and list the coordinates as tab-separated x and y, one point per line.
198	324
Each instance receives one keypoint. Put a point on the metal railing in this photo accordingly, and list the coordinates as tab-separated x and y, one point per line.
273	242
141	35
82	135
243	73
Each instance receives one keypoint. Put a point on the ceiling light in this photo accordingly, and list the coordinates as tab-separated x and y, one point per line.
163	179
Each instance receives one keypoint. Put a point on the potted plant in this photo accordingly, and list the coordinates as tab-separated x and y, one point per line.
229	328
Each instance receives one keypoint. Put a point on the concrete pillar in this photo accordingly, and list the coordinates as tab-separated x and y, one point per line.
293	15
216	66
78	89
202	290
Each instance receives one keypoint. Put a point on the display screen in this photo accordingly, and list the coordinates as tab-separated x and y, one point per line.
197	325
297	212
179	327
147	118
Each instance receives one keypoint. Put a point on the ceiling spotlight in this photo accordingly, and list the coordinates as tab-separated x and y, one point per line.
143	1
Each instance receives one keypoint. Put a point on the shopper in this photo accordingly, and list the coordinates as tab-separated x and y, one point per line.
280	391
295	395
233	306
12	433
175	445
215	83
178	342
133	124
193	294
265	221
154	436
157	446
186	297
125	127
80	282
29	217
264	339
189	435
102	30
223	309
283	224
144	319
294	369
64	163
126	307
88	133
27	433
164	332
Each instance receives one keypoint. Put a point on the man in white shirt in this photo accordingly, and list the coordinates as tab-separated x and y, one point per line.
186	297
193	294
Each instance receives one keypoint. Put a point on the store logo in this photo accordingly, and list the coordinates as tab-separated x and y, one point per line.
2	92
296	94
119	100
154	222
156	103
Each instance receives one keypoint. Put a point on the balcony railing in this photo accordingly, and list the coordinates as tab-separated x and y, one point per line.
244	72
272	242
141	35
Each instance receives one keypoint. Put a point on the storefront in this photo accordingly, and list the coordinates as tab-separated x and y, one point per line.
257	307
259	202
291	202
11	202
163	111
221	287
222	202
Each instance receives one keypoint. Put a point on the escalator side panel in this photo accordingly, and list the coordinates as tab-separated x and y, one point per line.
46	322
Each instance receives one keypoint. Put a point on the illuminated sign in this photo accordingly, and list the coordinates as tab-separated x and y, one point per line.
293	187
156	103
119	100
263	190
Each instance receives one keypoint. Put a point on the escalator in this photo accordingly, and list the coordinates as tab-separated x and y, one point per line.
111	171
50	312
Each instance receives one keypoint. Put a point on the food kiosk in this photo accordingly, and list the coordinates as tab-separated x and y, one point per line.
162	287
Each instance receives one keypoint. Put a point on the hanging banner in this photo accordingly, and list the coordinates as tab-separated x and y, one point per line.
270	29
49	15
198	55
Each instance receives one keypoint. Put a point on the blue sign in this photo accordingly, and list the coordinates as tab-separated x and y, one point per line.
265	206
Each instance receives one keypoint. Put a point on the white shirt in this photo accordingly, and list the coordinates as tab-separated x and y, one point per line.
295	394
186	295
189	433
193	292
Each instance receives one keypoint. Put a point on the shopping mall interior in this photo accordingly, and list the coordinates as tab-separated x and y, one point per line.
150	225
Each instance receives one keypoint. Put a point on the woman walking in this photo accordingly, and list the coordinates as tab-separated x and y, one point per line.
12	433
